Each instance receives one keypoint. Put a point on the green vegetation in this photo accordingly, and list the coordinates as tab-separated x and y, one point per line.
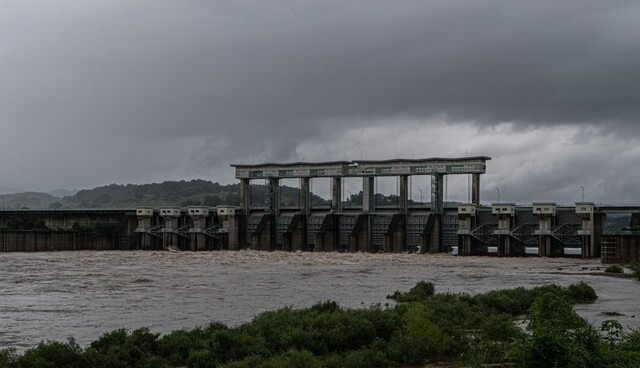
27	222
170	193
635	270
421	291
476	331
614	269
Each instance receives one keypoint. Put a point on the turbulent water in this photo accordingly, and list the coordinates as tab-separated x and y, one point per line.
83	294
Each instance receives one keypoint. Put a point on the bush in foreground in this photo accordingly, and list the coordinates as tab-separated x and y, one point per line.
475	330
614	269
635	270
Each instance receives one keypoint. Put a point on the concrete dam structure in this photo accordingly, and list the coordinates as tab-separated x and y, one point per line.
502	229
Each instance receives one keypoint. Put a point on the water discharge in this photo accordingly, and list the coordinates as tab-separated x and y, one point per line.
84	294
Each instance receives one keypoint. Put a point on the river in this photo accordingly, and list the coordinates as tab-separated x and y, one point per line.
84	294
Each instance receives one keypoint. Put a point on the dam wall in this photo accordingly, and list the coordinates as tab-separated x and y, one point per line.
340	224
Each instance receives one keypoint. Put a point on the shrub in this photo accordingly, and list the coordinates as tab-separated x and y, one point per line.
559	337
479	329
614	269
581	293
54	354
366	358
635	270
421	291
7	357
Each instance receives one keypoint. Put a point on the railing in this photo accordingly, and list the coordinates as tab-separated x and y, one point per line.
154	231
485	233
567	234
525	233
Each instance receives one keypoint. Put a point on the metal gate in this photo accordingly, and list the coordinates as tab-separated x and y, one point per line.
450	231
313	226
346	227
379	226
282	224
415	228
252	224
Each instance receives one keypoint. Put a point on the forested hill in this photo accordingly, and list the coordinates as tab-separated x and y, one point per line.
168	193
171	193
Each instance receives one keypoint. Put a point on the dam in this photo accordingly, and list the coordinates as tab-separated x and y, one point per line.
544	229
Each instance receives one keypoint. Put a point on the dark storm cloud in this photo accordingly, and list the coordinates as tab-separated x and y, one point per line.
126	82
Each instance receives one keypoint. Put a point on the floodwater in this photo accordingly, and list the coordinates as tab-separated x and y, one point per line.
84	294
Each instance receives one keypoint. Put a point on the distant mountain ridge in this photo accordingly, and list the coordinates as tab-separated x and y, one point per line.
62	192
169	193
7	190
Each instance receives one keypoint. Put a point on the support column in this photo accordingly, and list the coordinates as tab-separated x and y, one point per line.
437	194
403	200
475	189
272	197
506	213
368	195
245	196
336	194
587	234
466	224
437	209
548	247
305	196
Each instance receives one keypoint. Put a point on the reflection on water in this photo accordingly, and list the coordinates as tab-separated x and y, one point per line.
83	294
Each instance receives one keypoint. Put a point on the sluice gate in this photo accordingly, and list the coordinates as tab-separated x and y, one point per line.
339	224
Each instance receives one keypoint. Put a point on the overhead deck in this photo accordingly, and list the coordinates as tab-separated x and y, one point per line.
362	168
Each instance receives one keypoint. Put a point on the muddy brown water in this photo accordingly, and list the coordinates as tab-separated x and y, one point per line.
50	296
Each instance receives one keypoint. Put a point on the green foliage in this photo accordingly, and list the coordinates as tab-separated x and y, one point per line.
559	337
635	270
53	354
26	222
421	291
614	269
475	330
7	357
581	293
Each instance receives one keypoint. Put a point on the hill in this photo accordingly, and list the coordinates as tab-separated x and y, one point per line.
169	193
30	200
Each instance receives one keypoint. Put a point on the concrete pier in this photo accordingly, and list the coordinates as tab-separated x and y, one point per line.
506	213
546	213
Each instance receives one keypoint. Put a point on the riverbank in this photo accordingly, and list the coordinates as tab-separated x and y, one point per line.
423	328
83	294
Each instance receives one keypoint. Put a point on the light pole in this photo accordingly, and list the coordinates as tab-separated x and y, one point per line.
582	188
498	189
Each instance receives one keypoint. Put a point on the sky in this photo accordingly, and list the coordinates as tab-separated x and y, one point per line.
131	91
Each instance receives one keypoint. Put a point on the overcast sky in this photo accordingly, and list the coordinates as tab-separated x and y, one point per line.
127	91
